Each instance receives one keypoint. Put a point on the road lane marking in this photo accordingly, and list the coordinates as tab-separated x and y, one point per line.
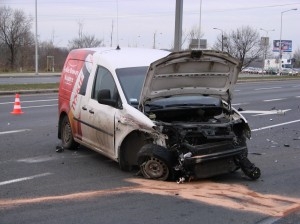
239	104
14	131
24	179
49	105
268	88
33	101
275	125
271	100
37	159
29	101
264	112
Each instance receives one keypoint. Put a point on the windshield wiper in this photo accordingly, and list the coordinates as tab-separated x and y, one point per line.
154	106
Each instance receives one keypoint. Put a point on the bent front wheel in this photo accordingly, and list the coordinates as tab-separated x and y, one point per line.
154	168
156	162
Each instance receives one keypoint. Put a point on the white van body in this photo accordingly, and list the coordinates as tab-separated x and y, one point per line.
148	107
86	114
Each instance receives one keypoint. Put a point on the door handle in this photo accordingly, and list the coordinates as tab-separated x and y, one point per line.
91	111
84	108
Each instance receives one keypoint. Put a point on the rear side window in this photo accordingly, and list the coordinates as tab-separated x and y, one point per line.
104	80
86	69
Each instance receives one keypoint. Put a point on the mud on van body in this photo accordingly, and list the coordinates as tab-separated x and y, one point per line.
168	113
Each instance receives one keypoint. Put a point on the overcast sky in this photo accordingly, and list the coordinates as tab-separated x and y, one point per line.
138	20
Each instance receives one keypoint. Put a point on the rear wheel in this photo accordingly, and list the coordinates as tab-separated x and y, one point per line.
67	139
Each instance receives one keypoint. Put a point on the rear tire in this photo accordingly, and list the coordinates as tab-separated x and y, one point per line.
67	138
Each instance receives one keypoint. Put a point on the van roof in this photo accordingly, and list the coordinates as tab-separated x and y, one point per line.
122	58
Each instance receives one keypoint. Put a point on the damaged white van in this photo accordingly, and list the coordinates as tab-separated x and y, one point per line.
167	113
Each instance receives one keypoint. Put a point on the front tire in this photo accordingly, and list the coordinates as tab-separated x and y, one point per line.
156	162
67	138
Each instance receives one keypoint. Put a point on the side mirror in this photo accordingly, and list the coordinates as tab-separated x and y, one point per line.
104	97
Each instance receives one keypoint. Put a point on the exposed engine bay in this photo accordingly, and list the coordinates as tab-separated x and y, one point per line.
203	140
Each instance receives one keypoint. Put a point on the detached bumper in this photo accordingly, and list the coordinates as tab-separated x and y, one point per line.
214	159
214	156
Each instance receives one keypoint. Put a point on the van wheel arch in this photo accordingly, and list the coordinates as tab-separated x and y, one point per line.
130	147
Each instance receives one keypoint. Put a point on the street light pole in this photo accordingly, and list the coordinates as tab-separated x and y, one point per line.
280	47
267	31
222	41
178	25
36	42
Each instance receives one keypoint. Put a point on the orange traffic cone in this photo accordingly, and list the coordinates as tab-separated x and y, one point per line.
17	106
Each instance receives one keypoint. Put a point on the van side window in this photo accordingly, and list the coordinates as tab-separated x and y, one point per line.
86	74
104	80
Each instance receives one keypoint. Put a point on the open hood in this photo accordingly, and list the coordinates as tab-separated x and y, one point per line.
204	72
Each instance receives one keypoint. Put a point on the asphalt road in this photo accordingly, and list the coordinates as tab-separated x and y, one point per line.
38	185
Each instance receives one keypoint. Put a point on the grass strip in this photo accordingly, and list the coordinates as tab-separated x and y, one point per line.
18	87
273	77
37	86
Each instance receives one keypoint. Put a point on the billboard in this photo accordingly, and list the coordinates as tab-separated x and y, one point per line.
286	45
264	41
194	44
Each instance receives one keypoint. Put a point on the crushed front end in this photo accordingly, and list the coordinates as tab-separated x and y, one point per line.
209	145
188	97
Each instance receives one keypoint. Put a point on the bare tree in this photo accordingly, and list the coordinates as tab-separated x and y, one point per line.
51	57
243	43
84	41
297	58
14	32
191	35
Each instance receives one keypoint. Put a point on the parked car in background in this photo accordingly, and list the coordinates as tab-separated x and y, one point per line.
252	70
289	71
271	71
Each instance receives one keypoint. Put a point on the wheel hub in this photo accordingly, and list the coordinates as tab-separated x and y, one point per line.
154	168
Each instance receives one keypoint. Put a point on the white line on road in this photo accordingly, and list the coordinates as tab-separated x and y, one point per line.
268	88
275	125
14	131
37	159
264	112
239	104
274	100
33	101
30	101
24	179
49	105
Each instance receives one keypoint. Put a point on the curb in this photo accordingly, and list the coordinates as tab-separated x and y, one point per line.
37	91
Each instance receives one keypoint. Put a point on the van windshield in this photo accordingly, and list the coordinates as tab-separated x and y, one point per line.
132	80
